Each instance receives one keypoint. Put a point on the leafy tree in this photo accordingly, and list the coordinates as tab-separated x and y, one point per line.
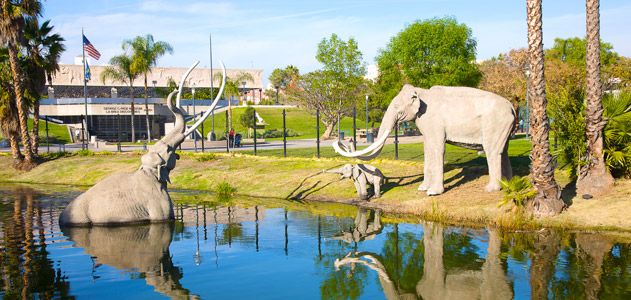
282	79
232	88
122	69
145	54
574	51
335	88
437	51
247	119
505	75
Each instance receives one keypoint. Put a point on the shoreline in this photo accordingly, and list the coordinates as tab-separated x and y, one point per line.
463	203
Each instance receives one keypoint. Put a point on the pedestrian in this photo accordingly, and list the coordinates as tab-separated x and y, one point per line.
231	137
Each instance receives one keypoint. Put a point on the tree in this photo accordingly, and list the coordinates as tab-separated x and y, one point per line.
14	14
247	119
505	75
8	110
232	89
437	51
145	53
44	51
283	79
122	69
594	177
335	88
548	199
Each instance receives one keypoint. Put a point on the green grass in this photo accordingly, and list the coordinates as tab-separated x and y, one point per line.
57	134
296	119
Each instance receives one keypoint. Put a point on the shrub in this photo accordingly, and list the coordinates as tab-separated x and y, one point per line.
518	190
205	157
85	152
224	191
277	133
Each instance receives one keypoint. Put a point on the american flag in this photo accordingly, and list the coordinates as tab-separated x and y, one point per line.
87	46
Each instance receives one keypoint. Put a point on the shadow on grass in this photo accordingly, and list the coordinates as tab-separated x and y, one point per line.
392	182
568	193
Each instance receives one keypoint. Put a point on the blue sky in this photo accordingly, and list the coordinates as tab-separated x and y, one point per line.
270	34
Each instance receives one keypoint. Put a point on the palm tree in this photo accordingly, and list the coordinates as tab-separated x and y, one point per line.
122	69
8	111
44	51
548	199
14	14
594	177
145	53
232	89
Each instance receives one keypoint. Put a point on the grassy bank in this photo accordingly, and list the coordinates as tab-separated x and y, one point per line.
300	178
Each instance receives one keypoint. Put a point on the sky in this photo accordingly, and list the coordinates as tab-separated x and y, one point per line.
272	34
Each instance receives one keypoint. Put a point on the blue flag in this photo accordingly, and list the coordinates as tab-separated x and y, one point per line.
87	71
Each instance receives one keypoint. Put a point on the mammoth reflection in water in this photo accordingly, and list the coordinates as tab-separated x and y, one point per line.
489	282
363	230
142	248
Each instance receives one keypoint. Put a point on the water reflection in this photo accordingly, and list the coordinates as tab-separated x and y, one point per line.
142	248
292	252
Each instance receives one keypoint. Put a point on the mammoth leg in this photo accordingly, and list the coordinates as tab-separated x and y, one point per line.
494	143
377	181
434	160
507	171
360	185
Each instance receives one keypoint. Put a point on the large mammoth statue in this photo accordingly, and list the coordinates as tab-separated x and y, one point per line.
461	116
141	196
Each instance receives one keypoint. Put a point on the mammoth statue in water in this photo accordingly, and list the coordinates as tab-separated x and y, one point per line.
461	116
141	196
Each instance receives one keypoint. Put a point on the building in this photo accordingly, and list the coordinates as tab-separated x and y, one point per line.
109	104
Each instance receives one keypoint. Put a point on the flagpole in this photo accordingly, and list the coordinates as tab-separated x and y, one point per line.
85	90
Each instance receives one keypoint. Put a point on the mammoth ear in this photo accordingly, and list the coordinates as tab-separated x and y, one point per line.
414	95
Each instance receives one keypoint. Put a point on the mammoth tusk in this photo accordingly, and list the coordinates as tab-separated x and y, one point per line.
212	106
375	148
181	85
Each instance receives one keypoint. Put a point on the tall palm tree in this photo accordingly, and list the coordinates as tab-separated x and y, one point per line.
548	200
14	14
594	177
122	69
8	111
145	53
44	51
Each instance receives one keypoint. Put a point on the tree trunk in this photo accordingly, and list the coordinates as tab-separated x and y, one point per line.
21	107
328	132
133	112
35	130
593	177
592	249
10	130
546	248
548	201
147	111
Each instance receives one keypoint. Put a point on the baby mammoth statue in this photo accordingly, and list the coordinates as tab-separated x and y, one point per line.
362	175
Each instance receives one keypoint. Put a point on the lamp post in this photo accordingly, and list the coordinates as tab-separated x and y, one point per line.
245	98
276	94
154	87
194	115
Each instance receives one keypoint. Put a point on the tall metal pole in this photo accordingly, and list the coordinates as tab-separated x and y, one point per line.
284	135
47	142
85	83
254	119
318	132
84	145
396	140
354	128
118	131
210	52
203	136
276	95
194	116
212	129
366	118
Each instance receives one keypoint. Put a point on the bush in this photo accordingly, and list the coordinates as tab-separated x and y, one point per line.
277	133
205	157
85	152
566	110
224	191
518	190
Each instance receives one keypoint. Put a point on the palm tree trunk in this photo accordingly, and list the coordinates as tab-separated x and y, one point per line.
19	102
35	130
9	129
546	250
547	201
593	177
147	110
133	112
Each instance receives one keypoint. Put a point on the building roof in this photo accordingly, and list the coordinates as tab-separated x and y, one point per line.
72	75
